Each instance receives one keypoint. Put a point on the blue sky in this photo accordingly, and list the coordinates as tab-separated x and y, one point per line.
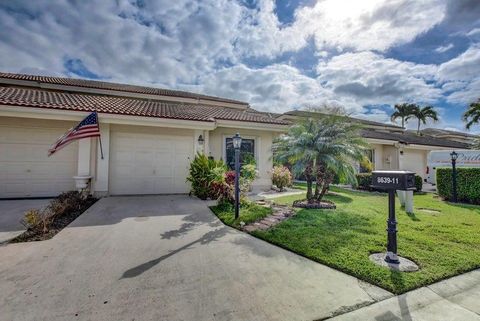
278	55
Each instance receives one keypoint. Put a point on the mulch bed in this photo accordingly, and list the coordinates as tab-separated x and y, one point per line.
315	205
58	224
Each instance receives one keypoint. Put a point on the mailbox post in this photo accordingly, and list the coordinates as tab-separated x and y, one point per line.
392	181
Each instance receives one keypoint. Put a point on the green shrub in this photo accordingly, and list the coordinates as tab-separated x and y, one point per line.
249	172
281	177
204	171
366	165
248	159
364	181
468	184
418	183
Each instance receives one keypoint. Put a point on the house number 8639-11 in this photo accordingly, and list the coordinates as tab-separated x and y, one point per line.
387	180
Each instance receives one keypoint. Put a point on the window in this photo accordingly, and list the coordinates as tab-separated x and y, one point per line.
247	151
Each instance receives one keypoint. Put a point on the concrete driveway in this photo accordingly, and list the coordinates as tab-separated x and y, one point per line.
167	258
12	211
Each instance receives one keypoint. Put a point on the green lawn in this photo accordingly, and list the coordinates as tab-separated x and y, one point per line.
248	213
443	243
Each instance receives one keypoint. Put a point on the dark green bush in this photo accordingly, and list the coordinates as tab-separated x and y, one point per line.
364	181
468	184
418	183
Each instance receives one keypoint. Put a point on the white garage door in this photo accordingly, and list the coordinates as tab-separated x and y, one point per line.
414	160
149	164
25	169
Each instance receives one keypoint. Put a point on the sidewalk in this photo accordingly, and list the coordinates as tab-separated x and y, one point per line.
454	299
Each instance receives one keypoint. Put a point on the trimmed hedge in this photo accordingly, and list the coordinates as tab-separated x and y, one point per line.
468	184
364	180
418	183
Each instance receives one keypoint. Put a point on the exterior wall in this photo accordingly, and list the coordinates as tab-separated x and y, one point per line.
263	150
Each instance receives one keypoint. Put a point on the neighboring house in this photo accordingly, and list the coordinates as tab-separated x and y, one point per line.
392	146
450	135
149	136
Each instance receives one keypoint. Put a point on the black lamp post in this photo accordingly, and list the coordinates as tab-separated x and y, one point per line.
454	157
237	143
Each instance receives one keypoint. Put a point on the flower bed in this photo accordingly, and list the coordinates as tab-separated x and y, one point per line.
45	224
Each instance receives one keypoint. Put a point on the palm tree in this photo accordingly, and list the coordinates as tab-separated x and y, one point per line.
422	114
297	148
402	111
321	148
472	115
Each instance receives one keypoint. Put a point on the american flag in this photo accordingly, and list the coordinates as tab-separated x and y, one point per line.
86	128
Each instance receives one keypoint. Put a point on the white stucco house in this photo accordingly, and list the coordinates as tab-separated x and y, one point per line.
149	136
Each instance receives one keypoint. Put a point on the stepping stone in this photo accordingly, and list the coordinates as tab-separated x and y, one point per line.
250	228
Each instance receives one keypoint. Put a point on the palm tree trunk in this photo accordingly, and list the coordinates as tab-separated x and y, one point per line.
418	127
403	121
326	184
309	178
319	181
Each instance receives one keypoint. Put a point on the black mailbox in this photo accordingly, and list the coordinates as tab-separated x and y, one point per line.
393	180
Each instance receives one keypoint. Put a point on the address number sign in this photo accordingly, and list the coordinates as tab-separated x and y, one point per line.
393	180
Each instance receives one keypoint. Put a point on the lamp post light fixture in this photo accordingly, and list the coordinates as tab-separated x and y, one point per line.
237	143
200	140
454	157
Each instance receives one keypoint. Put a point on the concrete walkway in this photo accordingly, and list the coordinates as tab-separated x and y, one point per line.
454	299
12	212
167	258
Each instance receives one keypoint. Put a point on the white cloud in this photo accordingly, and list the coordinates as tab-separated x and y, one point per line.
464	67
474	32
368	25
460	76
165	42
468	94
370	78
339	24
446	48
275	88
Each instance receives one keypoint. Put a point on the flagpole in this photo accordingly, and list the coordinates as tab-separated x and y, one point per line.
99	137
101	148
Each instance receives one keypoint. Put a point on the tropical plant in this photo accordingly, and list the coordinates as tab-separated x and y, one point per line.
203	171
249	172
322	147
248	159
402	111
225	190
281	177
422	114
472	115
366	165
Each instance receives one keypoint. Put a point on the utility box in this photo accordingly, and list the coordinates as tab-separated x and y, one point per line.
393	180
